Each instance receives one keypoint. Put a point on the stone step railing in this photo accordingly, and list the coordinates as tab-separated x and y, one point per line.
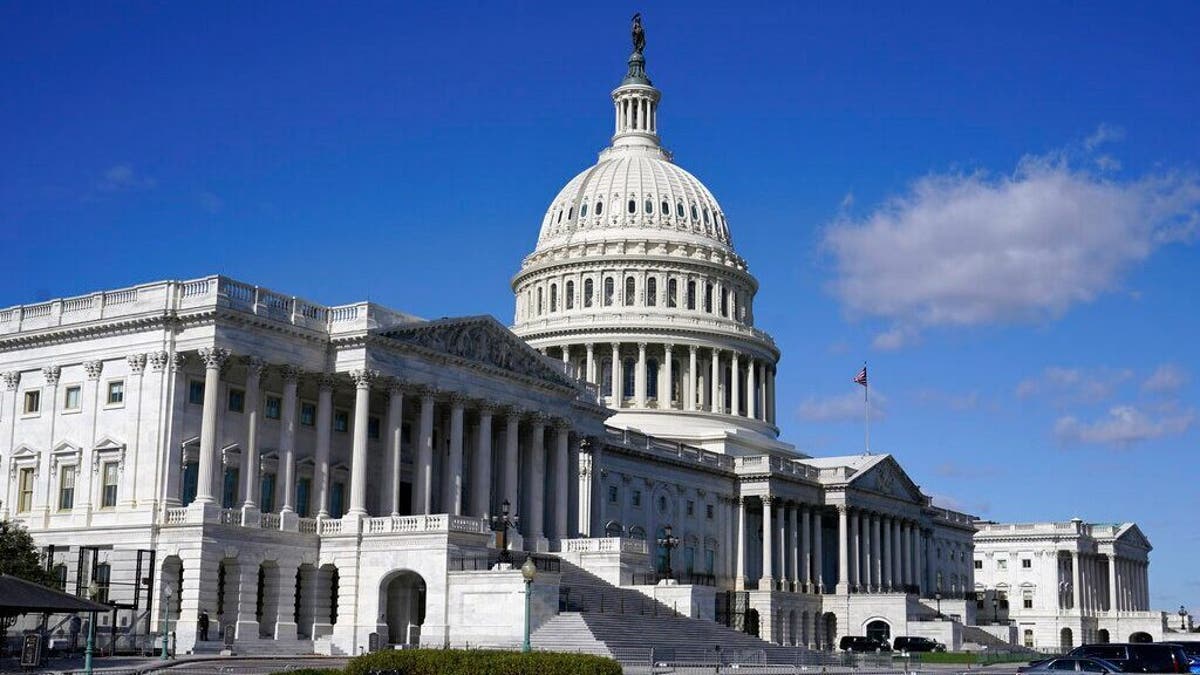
605	545
427	523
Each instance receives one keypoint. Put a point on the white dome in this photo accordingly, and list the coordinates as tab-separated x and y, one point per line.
623	196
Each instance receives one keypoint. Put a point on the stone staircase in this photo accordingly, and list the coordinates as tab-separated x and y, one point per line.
624	624
982	638
258	647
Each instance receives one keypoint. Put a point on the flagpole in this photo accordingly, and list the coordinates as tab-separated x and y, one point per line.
867	409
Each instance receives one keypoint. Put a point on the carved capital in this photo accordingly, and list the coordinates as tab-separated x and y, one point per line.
363	379
585	444
213	357
11	379
561	424
137	363
93	369
158	361
290	374
456	399
668	348
52	373
326	381
487	407
393	386
178	361
768	500
255	367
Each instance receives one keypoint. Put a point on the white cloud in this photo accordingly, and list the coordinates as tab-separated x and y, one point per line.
123	177
1166	379
841	407
896	337
1105	133
1074	385
974	249
1124	425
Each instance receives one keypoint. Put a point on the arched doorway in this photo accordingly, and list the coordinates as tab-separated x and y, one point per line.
752	622
1141	637
1066	639
879	629
402	596
793	629
830	631
1102	636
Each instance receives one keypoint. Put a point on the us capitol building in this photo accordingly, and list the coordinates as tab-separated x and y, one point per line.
331	478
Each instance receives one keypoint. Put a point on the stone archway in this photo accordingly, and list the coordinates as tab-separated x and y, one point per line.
1066	640
1140	637
402	599
752	622
829	631
880	630
1102	636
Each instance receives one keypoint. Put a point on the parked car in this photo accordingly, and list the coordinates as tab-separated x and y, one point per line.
1192	650
905	643
862	643
1139	657
1070	663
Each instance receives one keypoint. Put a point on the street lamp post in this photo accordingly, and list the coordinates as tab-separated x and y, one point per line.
1183	618
668	542
166	602
528	571
501	524
938	596
93	590
995	608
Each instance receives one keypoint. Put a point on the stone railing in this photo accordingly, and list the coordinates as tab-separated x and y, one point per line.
307	525
175	516
635	439
605	545
431	523
164	297
329	526
772	464
231	516
270	521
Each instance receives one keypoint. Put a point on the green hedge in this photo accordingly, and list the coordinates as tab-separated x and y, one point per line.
312	671
480	662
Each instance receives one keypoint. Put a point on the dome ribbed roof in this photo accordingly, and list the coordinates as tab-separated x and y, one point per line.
596	204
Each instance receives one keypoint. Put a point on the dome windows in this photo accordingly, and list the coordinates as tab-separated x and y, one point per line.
583	210
706	216
608	291
649	206
569	298
588	289
666	208
691	295
679	209
599	207
571	213
695	215
559	216
672	292
630	291
651	292
632	206
553	297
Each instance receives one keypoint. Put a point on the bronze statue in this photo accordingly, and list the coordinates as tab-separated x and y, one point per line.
639	35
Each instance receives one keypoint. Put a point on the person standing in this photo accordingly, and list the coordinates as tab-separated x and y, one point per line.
204	625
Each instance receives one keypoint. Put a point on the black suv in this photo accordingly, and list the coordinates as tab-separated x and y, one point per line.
1138	657
862	643
906	643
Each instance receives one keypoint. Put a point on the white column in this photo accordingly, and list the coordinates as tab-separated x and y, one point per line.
665	397
395	437
616	375
590	366
566	350
781	542
691	392
512	461
818	554
906	553
715	383
639	378
1076	598
855	550
213	358
321	456
562	431
735	385
768	553
843	583
751	392
793	525
885	536
454	468
481	492
422	491
287	438
865	580
740	573
254	370
537	487
358	457
876	558
898	558
806	548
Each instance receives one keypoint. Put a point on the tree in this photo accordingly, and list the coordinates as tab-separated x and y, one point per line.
19	556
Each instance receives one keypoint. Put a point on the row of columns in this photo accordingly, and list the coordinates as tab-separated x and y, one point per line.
882	551
702	384
453	490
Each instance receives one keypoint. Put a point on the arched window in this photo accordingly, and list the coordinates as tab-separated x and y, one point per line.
583	210
652	378
560	215
725	302
695	215
651	292
608	291
708	293
679	209
632	206
569	300
588	289
539	301
666	208
691	295
606	376
628	372
649	206
637	532
553	297
672	292
599	207
571	213
706	216
612	529
630	291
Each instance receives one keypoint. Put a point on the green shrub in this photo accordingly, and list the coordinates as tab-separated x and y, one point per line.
311	671
480	662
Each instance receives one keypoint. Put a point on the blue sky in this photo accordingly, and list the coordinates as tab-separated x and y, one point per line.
995	204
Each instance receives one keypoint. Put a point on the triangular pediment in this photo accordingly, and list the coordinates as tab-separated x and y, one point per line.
108	443
483	341
1133	535
887	478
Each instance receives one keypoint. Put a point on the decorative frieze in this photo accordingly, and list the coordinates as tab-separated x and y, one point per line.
52	373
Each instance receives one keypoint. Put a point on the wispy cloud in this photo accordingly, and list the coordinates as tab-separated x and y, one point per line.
842	407
1067	385
976	249
1124	426
1167	379
122	177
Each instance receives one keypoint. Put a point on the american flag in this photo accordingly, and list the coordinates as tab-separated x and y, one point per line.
861	377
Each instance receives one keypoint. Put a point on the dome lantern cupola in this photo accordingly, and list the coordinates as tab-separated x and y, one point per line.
636	100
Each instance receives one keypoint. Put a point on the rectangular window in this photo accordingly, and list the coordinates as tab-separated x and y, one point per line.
66	488
268	493
637	498
691	508
1026	563
33	402
1002	564
108	495
337	499
308	414
303	490
103	581
25	491
978	564
191	476
1027	602
237	400
612	494
72	398
272	408
229	488
373	428
196	392
341	421
708	511
116	392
